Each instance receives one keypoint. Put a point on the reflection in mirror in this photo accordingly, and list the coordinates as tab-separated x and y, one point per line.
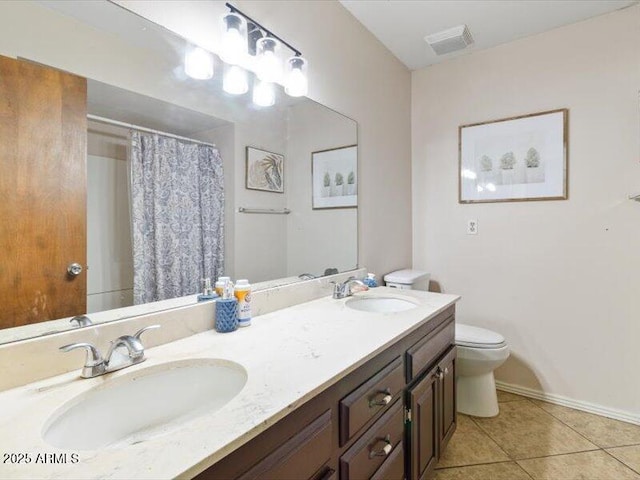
89	154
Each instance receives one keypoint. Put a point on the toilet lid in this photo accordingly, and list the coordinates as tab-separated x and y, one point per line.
476	337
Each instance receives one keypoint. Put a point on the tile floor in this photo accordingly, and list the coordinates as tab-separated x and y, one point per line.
535	440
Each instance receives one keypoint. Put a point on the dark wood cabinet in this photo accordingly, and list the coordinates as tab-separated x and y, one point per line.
395	412
370	398
368	454
302	456
422	431
432	414
447	397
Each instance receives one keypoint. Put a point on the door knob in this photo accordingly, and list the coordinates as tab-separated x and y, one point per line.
74	269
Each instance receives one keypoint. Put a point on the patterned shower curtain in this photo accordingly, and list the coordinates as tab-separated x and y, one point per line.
177	215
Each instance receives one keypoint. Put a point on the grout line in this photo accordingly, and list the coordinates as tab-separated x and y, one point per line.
621	462
597	447
569	426
558	454
522	468
475	465
490	437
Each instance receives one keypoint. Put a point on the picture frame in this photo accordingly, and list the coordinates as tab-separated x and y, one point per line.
264	170
522	158
334	178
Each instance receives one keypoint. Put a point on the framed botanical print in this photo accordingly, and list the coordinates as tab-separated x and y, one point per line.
514	159
265	170
334	178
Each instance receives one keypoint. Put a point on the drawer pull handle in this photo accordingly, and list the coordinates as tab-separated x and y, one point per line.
386	400
386	450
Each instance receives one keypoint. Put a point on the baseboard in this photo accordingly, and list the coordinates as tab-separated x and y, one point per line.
570	402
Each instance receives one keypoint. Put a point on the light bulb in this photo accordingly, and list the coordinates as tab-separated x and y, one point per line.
234	40
235	80
296	83
264	94
267	63
198	63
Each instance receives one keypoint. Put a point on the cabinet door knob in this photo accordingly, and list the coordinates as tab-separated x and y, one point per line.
386	400
384	451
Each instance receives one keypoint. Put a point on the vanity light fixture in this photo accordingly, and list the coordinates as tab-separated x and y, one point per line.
234	38
296	83
264	44
235	80
268	67
198	63
264	94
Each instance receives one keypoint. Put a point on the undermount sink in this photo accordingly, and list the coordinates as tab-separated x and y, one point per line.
134	407
380	304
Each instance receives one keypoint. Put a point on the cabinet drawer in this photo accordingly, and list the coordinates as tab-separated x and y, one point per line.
393	467
423	353
367	455
361	405
300	457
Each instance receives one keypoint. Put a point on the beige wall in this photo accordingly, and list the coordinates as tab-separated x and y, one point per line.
317	239
353	73
109	251
559	279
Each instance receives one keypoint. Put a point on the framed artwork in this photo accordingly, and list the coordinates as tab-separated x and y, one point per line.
334	178
265	170
514	159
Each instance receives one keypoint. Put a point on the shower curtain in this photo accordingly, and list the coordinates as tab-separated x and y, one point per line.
177	215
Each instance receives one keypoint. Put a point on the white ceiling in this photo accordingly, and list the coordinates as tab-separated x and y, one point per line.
401	25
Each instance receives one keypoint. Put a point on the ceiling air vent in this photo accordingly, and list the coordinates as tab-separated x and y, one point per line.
450	40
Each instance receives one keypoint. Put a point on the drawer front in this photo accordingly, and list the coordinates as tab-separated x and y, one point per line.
374	396
427	350
393	467
366	456
300	457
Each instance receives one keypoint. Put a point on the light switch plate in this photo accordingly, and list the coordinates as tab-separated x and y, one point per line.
472	227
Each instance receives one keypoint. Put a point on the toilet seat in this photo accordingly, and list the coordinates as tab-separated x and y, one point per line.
476	337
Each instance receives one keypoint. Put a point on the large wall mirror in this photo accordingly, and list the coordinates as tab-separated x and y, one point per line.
104	139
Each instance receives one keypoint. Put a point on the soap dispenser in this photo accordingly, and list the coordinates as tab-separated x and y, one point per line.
370	281
226	311
207	291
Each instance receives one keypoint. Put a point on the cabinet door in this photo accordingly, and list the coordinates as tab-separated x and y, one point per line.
423	431
299	458
447	398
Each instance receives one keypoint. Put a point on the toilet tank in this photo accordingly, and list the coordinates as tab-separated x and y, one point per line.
408	280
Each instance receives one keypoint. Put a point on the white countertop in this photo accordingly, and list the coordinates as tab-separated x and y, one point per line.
290	355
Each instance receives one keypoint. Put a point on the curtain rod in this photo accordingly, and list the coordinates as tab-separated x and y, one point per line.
96	118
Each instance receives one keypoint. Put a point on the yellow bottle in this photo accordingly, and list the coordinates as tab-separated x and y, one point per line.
242	292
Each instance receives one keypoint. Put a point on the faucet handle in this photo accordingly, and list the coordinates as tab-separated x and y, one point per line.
142	330
93	355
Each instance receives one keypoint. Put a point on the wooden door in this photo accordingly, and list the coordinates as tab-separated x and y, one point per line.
447	397
43	128
423	431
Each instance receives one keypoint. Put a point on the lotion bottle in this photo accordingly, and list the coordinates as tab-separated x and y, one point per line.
242	292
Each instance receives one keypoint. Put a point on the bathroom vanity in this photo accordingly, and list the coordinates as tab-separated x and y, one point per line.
326	390
395	412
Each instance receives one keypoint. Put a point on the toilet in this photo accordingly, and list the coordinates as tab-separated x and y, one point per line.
480	352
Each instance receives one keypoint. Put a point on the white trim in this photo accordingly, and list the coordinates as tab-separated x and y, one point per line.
570	402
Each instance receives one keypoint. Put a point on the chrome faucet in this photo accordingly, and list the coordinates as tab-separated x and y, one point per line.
81	320
95	365
342	290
